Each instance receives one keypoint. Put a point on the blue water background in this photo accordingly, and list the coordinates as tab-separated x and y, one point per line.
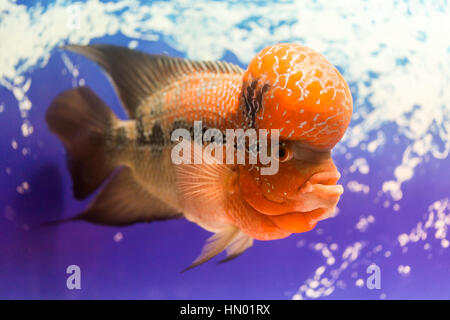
146	263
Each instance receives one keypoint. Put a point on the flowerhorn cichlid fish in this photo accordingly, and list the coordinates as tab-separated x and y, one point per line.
289	90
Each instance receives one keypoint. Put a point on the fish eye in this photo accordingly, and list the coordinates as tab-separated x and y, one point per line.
284	153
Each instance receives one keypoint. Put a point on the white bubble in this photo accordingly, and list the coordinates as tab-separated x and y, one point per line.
133	44
404	270
359	283
118	237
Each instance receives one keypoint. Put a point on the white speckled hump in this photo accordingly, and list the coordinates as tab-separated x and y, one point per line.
137	75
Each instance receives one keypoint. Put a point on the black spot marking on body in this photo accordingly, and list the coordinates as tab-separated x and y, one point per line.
142	138
156	138
253	98
181	124
121	137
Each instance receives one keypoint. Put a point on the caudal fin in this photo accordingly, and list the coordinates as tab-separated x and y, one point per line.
81	120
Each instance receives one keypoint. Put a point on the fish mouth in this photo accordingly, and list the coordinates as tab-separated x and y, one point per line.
314	201
319	191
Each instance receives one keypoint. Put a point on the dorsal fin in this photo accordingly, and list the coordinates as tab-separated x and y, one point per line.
137	75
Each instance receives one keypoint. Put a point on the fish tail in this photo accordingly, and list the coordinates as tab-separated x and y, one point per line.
82	121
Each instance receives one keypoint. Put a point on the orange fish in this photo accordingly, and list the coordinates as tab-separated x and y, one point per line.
286	87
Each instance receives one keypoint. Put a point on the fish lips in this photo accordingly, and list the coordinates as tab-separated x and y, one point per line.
316	200
324	206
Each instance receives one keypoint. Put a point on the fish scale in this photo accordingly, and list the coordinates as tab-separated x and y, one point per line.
211	98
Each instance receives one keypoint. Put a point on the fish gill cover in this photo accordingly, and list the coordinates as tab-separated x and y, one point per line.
394	155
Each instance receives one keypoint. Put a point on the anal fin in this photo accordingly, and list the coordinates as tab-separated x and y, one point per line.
123	201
